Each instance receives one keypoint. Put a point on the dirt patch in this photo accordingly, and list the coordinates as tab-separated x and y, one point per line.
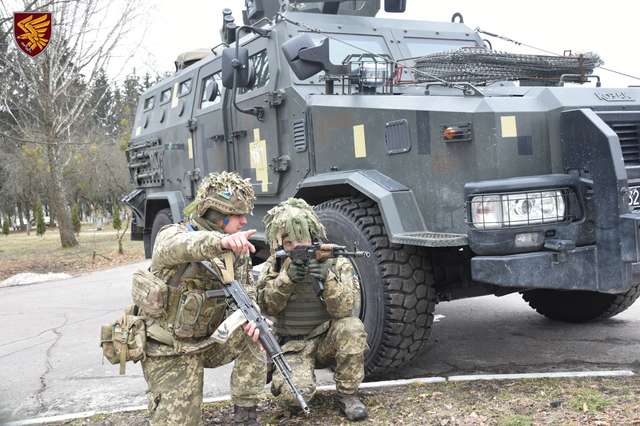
600	402
97	250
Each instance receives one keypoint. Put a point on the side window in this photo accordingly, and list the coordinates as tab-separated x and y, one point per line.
165	96
206	82
148	103
184	88
260	62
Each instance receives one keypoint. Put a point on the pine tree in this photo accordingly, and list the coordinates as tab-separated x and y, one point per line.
5	226
75	218
102	100
115	213
40	226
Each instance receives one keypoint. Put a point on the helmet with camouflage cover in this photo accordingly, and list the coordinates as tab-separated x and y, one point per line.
294	219
226	193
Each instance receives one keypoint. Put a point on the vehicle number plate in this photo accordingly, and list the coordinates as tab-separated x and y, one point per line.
634	197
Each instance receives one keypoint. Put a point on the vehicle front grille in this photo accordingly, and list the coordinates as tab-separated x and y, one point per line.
629	135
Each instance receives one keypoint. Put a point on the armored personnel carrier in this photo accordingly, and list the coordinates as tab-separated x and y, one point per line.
458	185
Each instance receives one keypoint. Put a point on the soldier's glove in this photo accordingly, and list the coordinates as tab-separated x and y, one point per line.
318	270
297	271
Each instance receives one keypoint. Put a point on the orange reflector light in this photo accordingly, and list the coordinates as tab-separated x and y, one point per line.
450	133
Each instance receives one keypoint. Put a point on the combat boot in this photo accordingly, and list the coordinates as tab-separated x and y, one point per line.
245	416
352	407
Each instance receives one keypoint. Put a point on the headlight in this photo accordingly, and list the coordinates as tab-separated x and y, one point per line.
517	209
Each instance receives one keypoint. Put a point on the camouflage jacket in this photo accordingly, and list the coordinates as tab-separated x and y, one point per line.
176	247
341	289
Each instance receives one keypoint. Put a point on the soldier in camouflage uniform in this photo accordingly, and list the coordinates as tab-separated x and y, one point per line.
317	330
177	348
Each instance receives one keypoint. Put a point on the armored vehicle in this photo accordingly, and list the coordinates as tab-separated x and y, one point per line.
458	187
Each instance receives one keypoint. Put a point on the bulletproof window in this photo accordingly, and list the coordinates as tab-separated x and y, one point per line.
165	96
148	103
184	88
206	82
260	62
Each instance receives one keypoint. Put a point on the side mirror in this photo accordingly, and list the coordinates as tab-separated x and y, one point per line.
291	50
211	91
240	65
306	59
395	6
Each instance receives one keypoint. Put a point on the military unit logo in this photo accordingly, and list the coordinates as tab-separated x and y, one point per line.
32	31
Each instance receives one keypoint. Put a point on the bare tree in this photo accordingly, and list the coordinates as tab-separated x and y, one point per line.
49	95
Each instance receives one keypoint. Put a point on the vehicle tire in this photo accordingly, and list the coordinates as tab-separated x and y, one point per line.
163	217
579	306
397	294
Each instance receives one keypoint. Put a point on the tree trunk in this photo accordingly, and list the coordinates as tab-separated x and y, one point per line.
20	214
27	214
58	201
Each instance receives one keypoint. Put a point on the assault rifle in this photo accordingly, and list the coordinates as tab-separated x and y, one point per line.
320	252
247	311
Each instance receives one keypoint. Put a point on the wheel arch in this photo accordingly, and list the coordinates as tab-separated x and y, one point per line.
173	200
397	203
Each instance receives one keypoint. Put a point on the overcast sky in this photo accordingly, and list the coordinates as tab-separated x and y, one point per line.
609	29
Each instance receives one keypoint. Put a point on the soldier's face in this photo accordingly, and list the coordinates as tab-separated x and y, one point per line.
289	244
235	223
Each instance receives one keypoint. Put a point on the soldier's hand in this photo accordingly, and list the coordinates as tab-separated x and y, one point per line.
297	271
239	242
251	330
318	270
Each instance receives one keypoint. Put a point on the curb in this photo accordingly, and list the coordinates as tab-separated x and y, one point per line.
366	385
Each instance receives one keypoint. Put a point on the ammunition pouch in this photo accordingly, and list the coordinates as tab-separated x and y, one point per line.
124	340
195	315
149	293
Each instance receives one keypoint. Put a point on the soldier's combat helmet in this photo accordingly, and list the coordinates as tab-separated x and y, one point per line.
295	219
226	193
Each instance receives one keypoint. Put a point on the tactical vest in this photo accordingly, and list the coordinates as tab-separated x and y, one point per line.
191	315
304	311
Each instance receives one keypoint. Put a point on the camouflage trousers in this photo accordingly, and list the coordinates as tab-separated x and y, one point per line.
175	382
343	344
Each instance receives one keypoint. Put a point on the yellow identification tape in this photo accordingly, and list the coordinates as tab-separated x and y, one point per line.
508	126
258	159
359	141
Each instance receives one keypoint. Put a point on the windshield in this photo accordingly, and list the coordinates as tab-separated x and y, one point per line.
343	45
419	46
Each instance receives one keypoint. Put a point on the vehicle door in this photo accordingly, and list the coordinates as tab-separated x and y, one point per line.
210	148
258	145
178	138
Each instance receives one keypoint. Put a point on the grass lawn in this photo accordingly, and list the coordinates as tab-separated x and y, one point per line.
599	402
97	250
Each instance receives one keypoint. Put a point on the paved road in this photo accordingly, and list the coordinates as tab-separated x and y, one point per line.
50	362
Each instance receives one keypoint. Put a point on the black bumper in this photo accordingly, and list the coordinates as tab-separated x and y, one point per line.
610	263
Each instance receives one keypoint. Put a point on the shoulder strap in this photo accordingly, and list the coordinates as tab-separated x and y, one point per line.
227	271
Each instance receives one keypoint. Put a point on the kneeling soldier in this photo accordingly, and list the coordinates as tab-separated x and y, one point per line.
179	344
317	330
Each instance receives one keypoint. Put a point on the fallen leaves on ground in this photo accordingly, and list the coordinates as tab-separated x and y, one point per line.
504	403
